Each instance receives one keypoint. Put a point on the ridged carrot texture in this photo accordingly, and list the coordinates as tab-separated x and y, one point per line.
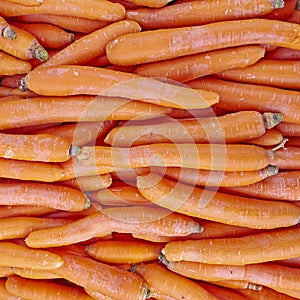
4	294
102	11
216	206
191	13
164	284
75	80
43	289
164	44
11	65
6	30
248	125
102	278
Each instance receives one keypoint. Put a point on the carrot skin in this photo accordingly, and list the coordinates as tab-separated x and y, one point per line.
11	65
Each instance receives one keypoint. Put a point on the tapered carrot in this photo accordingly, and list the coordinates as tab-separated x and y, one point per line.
248	125
34	274
216	206
189	67
123	251
289	129
271	137
4	294
6	30
102	11
283	53
13	255
7	211
260	98
43	289
165	284
231	157
81	109
249	31
102	277
278	73
288	159
43	194
27	2
191	13
11	65
75	80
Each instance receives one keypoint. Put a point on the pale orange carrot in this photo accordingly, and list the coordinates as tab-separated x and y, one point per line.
238	284
6	271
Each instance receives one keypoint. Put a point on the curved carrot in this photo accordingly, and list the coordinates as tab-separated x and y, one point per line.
102	11
289	129
6	30
271	137
34	274
11	65
216	206
43	194
75	80
160	44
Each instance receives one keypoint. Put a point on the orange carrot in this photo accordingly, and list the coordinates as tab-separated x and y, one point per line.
102	11
271	137
288	158
11	65
43	194
34	274
289	129
6	30
238	284
97	295
7	211
4	294
123	251
283	53
27	2
191	13
189	67
165	284
13	255
159	44
43	289
216	206
260	98
74	80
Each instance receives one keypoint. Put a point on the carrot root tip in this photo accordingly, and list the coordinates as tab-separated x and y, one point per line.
278	4
23	86
269	171
272	119
148	294
200	229
74	150
88	202
9	33
39	52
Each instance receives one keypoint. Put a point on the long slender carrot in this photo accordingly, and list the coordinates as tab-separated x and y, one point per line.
43	289
75	80
13	255
6	30
191	13
189	67
163	44
102	11
4	294
271	137
289	129
216	206
278	73
288	159
164	284
34	274
11	65
260	98
27	2
43	194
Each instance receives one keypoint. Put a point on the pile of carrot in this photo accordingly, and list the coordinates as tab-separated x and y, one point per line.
149	149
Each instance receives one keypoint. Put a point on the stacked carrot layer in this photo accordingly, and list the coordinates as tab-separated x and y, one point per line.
149	149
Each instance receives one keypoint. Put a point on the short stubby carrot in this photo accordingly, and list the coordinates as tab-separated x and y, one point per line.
11	65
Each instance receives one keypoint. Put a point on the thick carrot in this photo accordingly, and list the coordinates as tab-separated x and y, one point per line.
80	109
43	194
27	2
271	137
283	53
248	125
151	3
4	294
278	73
124	251
91	45
189	67
191	13
48	35
34	274
232	157
43	289
163	44
96	10
13	255
289	129
260	98
102	278
75	80
282	186
6	30
11	65
24	47
164	284
288	159
7	211
216	206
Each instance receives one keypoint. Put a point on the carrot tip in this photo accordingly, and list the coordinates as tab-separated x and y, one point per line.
200	229
269	171
281	145
23	86
277	3
148	294
272	119
41	53
255	287
9	33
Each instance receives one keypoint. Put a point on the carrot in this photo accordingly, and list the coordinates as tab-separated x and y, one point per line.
97	295
102	11
13	255
278	73
6	30
260	98
5	91
7	211
43	194
27	2
11	65
232	157
10	98
159	44
24	47
80	109
283	53
165	284
151	3
289	129
98	61
13	81
216	206
189	67
49	36
248	125
4	294
91	45
191	13
123	251
271	137
288	159
34	274
284	12
282	186
43	289
102	278
75	80
238	284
